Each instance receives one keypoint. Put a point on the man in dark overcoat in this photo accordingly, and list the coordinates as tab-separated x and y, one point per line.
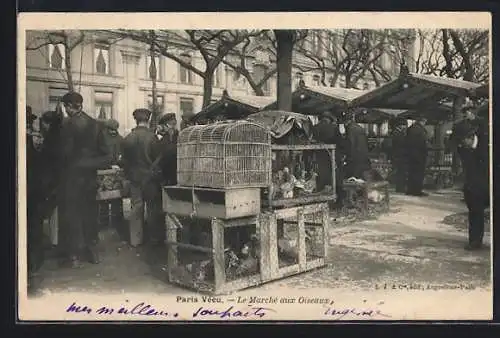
474	153
139	154
34	197
398	153
84	151
416	145
168	148
327	132
356	148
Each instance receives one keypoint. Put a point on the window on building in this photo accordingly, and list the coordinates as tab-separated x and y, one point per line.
160	102
186	106
148	67
316	80
57	56
101	59
185	75
298	77
55	96
103	105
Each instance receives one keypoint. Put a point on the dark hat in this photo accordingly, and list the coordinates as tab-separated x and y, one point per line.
142	114
72	98
112	124
167	118
188	116
347	115
328	115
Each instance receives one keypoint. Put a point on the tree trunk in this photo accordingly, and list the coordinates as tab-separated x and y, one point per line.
285	41
207	88
69	71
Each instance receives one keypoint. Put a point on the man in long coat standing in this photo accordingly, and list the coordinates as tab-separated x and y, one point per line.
84	152
139	155
356	148
327	132
474	155
398	153
416	143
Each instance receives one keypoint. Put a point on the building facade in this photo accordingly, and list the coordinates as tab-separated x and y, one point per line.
114	78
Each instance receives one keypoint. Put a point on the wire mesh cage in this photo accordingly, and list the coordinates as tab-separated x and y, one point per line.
224	155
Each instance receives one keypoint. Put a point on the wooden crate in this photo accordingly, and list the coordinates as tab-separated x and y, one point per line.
111	184
267	231
438	177
286	155
207	202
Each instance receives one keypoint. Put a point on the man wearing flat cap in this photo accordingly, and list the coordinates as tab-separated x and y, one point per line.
84	151
327	132
357	161
139	155
417	148
474	156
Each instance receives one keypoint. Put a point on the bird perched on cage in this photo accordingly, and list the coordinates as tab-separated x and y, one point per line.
287	187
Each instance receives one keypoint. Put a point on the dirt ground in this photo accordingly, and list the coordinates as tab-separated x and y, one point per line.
410	244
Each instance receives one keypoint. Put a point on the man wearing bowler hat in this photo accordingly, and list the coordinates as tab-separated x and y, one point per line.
357	161
84	151
139	154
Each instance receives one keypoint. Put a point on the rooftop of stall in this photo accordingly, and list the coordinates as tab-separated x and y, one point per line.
314	100
234	107
417	92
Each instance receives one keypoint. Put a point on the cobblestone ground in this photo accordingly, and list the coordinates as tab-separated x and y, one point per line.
409	244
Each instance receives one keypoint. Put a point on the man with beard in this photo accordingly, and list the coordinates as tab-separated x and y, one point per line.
356	148
398	153
416	143
84	151
327	132
139	155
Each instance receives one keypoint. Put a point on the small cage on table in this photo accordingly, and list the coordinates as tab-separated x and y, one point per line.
213	256
301	174
224	155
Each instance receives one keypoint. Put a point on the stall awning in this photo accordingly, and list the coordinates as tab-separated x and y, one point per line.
234	107
415	91
315	100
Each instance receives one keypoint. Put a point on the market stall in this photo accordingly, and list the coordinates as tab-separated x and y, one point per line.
429	96
233	107
223	234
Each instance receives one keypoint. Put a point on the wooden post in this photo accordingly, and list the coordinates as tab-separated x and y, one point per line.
325	215
268	246
218	253
334	164
301	241
171	235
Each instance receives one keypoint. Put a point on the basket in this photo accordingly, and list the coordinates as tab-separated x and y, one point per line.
232	154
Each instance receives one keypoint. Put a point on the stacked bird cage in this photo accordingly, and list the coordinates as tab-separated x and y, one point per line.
224	155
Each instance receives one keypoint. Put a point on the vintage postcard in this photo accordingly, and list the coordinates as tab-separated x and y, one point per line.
254	166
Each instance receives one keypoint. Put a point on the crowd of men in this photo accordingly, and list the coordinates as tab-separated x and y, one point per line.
62	170
62	163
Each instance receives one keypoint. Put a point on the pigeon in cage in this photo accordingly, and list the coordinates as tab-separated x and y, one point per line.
287	187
